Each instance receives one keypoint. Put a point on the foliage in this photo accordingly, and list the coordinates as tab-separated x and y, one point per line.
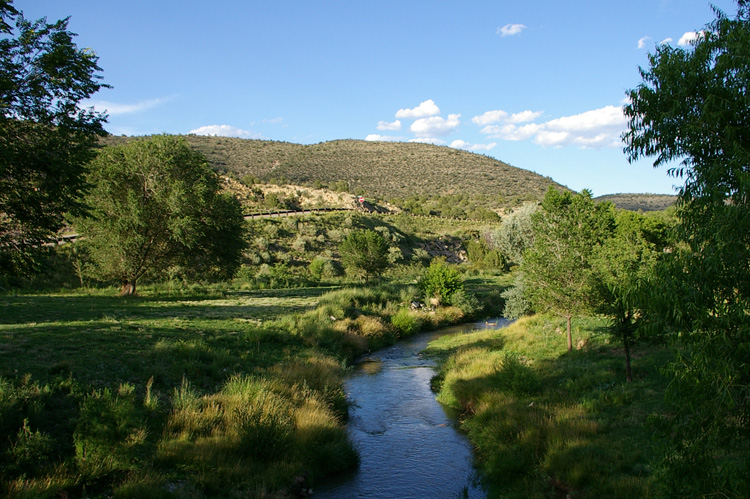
364	253
155	204
441	282
517	303
557	270
515	234
45	137
624	266
693	106
483	256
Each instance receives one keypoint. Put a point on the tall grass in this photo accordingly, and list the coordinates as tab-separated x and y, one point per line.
546	422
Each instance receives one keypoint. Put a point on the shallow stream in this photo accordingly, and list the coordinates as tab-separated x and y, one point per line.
409	444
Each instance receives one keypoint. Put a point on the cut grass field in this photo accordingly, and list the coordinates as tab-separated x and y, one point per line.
550	423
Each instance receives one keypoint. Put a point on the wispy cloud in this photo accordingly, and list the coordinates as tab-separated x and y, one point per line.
384	125
435	126
599	128
429	140
114	108
462	144
226	131
642	42
511	29
374	137
426	108
665	41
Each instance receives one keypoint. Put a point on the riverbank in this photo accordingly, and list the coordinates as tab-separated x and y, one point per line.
546	422
199	392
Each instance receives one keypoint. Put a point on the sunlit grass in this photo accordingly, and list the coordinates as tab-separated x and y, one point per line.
549	422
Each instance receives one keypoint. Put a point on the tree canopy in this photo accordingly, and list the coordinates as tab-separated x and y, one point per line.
693	106
156	205
46	138
364	253
557	269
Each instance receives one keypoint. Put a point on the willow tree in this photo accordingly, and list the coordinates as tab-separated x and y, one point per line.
155	205
693	108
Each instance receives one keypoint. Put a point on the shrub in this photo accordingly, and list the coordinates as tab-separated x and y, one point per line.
441	281
406	322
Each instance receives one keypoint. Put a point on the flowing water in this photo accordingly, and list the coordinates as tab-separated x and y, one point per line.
409	444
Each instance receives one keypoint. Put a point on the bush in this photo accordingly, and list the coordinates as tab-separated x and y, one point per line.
406	322
441	282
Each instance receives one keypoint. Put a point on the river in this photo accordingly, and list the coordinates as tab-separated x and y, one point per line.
409	444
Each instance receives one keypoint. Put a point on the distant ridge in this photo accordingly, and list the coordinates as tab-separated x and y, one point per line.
387	170
640	202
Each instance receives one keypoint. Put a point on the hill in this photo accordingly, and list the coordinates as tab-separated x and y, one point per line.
384	170
640	202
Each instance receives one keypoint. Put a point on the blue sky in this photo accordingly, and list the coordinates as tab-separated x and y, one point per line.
538	84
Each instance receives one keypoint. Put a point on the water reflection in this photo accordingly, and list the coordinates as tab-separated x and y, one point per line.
408	443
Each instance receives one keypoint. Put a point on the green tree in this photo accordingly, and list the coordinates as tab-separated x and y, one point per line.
693	107
364	253
441	282
45	137
557	270
623	266
155	205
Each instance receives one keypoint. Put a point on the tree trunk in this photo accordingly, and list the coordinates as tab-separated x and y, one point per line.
128	287
570	335
626	344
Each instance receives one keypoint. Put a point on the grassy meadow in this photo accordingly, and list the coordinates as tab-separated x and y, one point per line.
189	391
550	423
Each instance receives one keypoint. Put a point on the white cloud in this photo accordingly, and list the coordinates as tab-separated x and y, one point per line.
591	129
490	117
642	42
384	125
113	108
510	29
225	131
665	41
525	116
426	108
374	137
689	37
461	144
435	126
428	140
500	116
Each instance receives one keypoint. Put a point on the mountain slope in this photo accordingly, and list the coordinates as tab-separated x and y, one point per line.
385	170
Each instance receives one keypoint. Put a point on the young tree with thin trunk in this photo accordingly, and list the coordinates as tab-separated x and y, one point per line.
623	268
155	205
557	270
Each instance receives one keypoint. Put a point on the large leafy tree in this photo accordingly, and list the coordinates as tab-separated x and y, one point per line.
46	138
557	270
156	205
693	107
